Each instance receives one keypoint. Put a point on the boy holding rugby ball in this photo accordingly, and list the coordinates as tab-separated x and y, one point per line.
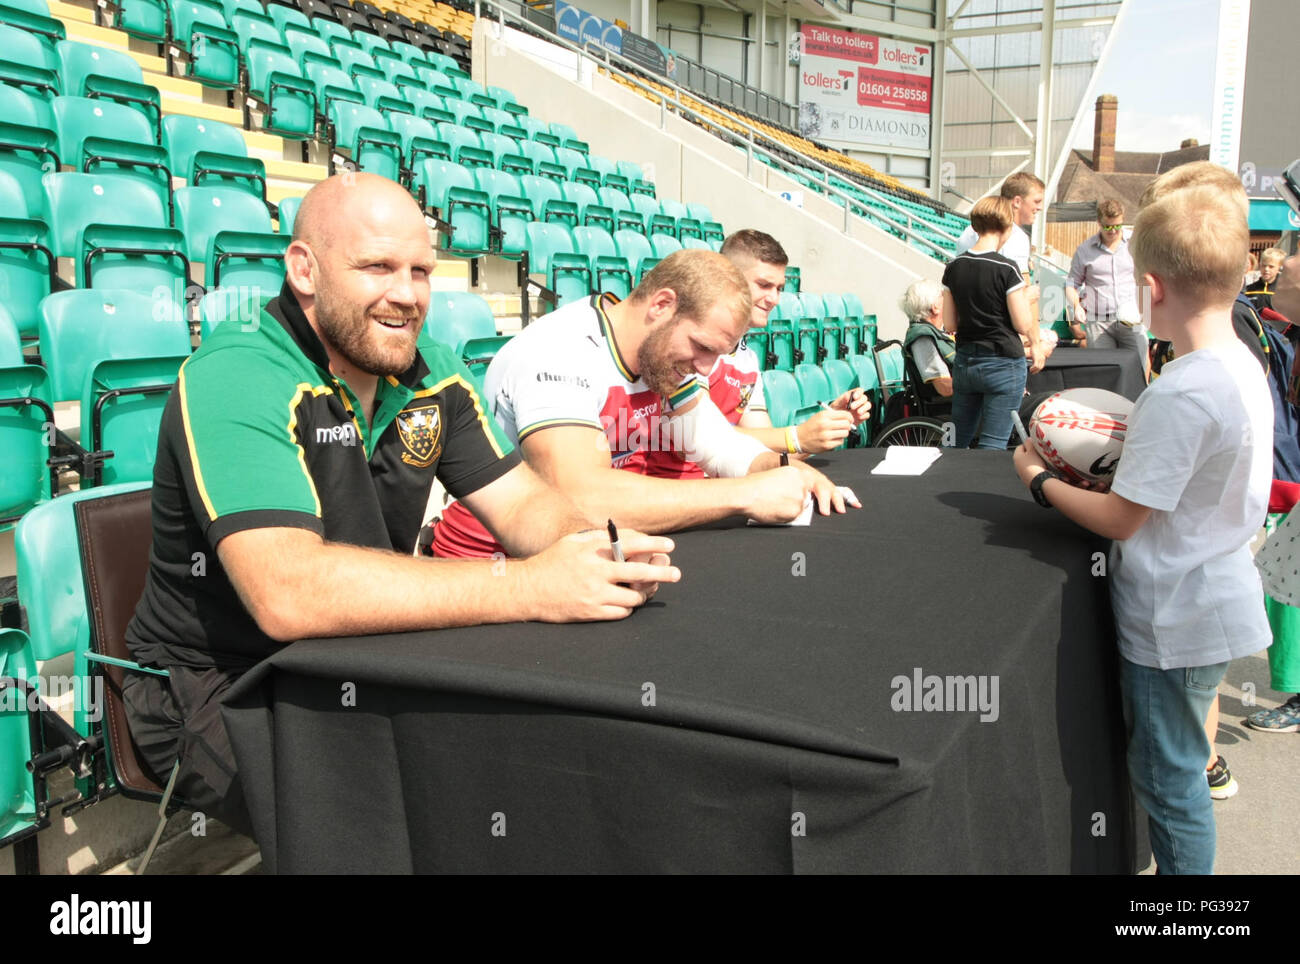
1190	492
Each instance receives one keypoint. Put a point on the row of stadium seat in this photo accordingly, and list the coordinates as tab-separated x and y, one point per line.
796	395
116	352
812	328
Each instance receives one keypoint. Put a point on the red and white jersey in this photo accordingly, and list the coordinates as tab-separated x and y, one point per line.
735	384
566	369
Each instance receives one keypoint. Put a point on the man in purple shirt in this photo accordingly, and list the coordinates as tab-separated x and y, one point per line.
1103	268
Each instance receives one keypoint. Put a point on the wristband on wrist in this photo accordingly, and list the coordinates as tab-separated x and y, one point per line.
792	440
1036	487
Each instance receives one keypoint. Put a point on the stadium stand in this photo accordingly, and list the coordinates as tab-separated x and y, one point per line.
150	174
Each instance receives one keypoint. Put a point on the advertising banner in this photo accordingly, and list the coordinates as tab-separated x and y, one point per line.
580	27
862	89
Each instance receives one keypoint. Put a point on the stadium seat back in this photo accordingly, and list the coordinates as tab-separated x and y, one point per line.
78	118
50	585
664	245
840	374
146	19
201	212
24	418
783	397
77	61
288	210
544	241
250	26
455	318
185	136
22	47
814	386
74	200
27	270
83	327
283	17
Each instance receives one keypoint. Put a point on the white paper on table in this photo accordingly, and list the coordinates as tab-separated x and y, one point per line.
805	517
906	460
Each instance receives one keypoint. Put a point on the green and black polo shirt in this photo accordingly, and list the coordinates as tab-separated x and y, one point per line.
259	434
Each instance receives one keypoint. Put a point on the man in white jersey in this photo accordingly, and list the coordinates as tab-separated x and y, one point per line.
735	383
601	395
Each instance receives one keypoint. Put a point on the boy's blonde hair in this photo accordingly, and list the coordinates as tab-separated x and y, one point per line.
991	214
1197	174
1273	256
1194	239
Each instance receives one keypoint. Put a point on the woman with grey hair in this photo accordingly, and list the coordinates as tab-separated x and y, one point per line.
932	348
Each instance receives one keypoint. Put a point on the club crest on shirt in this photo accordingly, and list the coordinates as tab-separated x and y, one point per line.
745	392
421	433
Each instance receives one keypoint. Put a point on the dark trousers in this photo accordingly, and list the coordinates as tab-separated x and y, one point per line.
180	716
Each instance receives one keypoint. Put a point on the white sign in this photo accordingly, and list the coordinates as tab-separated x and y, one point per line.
864	89
1229	83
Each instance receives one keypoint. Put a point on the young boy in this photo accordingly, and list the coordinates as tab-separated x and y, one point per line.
1270	266
1190	491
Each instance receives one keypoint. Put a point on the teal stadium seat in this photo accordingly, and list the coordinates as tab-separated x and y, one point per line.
449	189
553	254
609	269
208	153
288	211
28	270
200	29
145	19
307	45
90	71
100	136
783	397
464	322
230	232
511	210
276	80
25	415
117	352
364	134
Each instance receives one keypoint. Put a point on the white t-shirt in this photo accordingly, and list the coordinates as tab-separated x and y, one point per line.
1199	452
1016	248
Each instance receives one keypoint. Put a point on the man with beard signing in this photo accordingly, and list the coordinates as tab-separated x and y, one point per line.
605	398
294	463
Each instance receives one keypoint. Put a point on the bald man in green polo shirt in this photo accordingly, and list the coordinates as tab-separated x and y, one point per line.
295	459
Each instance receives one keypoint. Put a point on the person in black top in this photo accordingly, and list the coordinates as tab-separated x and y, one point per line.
987	306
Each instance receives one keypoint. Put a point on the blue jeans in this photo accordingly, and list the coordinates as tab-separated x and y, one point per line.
1164	717
986	389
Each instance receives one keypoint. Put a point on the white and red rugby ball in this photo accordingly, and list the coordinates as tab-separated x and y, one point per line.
1080	433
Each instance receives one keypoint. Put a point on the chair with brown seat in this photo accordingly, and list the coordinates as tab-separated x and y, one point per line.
114	534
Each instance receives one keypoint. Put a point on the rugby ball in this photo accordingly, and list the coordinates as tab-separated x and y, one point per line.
1080	433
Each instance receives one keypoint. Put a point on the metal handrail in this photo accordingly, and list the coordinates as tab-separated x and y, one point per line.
751	145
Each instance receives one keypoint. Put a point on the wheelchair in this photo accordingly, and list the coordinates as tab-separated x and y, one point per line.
906	416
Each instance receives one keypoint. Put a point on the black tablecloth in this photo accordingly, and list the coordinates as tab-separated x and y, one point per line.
744	720
1114	369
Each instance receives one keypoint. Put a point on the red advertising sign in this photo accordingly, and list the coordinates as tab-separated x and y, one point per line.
840	44
880	88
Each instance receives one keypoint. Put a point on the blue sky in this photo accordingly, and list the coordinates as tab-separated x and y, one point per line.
1161	67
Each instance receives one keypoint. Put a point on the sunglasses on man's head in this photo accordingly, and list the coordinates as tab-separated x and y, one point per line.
1112	227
